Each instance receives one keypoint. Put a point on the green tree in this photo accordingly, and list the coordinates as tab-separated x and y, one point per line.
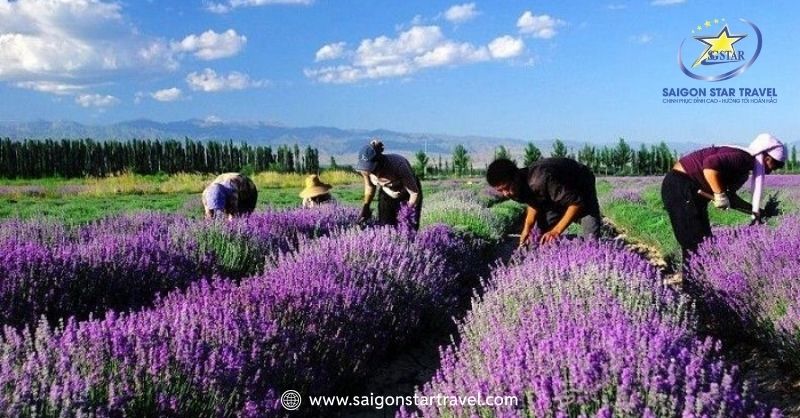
502	152
621	156
532	154
559	149
460	160
421	164
586	155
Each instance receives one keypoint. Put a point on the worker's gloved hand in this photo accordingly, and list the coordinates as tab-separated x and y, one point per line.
721	201
366	214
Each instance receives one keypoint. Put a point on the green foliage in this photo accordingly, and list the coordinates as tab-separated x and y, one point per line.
86	157
559	149
421	164
461	160
502	152
532	154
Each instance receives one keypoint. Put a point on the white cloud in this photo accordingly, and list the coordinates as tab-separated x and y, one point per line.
57	88
209	81
542	26
211	45
642	39
234	4
666	2
45	39
330	52
506	47
167	95
461	13
96	100
418	48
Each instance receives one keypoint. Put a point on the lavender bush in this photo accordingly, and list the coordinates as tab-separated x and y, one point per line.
461	210
123	262
317	320
582	329
748	276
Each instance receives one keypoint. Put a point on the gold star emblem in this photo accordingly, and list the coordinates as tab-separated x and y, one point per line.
708	24
722	43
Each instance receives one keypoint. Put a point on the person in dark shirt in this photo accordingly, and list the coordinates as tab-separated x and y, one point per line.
558	192
719	171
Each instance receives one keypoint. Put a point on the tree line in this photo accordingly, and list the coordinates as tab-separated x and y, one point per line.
618	160
86	157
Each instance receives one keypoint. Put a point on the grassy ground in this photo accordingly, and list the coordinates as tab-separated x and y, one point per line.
95	198
649	223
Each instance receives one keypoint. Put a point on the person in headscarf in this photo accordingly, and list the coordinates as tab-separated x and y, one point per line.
717	171
316	192
391	176
233	194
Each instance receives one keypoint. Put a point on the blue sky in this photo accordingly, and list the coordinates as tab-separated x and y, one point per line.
581	71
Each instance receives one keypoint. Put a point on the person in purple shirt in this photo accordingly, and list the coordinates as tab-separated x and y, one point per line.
718	171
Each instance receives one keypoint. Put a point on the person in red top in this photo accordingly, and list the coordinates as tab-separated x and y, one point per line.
719	171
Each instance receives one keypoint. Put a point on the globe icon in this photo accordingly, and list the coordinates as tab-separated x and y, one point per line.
290	400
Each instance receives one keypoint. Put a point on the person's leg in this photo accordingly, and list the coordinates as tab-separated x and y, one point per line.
418	206
687	214
591	224
547	219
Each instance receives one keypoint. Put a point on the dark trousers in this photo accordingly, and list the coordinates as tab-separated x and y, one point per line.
389	207
590	223
688	211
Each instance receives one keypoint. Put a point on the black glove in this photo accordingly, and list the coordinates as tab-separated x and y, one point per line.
366	213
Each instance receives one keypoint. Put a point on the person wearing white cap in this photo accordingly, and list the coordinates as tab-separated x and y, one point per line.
717	171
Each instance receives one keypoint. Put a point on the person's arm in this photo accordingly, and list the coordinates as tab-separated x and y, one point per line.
369	194
562	225
739	204
713	177
530	220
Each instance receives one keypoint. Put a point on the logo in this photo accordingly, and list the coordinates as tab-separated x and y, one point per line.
719	50
291	400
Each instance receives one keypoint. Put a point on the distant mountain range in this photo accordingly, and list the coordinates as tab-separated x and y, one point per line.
341	143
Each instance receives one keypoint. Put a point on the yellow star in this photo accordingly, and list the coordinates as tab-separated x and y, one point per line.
708	24
723	42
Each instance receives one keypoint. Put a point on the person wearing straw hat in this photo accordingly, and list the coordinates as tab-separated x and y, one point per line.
391	177
233	194
714	174
316	192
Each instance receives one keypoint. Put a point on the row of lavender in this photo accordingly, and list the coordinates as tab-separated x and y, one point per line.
47	269
320	317
584	329
748	277
315	320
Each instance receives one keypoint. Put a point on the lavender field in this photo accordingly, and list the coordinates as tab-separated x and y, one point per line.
163	314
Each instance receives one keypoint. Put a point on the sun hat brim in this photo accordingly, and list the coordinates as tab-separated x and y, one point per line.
315	191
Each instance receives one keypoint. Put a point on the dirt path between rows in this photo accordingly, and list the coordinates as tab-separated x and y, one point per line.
416	366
